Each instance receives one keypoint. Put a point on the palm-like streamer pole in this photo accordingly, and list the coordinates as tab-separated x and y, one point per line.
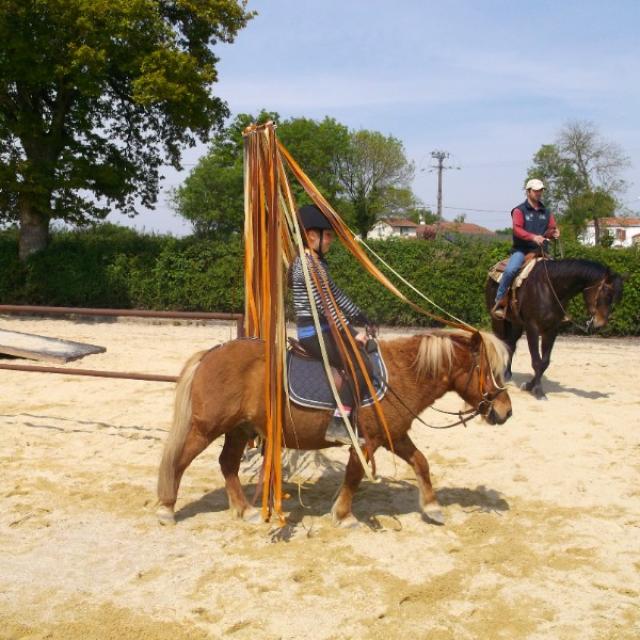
264	295
272	236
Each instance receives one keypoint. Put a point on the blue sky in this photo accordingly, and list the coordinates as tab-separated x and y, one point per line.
488	81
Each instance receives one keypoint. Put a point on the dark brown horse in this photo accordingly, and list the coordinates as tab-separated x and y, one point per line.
542	303
221	392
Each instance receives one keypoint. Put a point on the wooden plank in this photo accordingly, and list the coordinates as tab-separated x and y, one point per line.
33	347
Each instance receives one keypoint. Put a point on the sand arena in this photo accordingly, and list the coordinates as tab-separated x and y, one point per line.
542	538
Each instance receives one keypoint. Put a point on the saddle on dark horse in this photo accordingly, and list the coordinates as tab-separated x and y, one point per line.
496	271
309	387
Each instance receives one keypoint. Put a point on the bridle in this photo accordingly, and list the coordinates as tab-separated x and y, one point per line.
600	285
591	320
486	398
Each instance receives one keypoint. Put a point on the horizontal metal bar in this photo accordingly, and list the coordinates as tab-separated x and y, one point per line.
139	313
125	375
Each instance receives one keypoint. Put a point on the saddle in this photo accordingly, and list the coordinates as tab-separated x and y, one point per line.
496	271
530	260
308	385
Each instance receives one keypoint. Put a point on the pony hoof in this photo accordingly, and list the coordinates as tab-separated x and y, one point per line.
252	515
165	516
348	522
433	516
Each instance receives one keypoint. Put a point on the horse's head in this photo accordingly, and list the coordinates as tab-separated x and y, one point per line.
600	298
480	381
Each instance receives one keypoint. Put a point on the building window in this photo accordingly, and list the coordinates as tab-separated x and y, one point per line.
621	234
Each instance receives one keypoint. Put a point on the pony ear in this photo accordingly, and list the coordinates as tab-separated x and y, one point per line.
475	342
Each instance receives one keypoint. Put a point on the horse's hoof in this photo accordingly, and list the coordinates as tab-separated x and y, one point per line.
348	522
165	516
540	396
433	515
252	515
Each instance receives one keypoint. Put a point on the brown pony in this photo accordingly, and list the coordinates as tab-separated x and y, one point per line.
221	391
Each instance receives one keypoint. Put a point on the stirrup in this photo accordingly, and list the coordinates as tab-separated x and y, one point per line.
498	312
337	433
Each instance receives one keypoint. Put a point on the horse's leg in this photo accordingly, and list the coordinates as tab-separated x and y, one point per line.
341	510
546	346
194	444
536	362
407	450
512	336
235	442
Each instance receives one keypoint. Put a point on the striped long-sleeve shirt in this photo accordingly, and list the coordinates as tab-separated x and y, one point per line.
302	305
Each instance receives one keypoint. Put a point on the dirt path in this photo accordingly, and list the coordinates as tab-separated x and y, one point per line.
542	538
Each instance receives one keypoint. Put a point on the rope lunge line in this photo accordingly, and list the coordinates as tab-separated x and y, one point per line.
348	239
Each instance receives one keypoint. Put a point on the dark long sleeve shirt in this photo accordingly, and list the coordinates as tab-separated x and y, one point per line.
302	305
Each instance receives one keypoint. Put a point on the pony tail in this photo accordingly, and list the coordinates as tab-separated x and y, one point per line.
174	443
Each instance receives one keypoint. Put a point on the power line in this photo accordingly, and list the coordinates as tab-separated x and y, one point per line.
430	204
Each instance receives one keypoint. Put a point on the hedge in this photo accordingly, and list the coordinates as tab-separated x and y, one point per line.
111	266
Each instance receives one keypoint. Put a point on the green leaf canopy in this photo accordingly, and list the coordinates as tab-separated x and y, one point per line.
95	95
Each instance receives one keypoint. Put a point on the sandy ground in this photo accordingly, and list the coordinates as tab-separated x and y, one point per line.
542	538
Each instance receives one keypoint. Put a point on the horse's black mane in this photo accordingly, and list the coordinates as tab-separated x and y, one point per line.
577	268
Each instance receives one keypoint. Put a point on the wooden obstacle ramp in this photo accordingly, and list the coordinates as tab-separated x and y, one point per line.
33	347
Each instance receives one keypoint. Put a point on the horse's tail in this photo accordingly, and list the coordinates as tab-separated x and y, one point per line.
178	433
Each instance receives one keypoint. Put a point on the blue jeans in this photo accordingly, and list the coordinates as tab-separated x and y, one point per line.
513	266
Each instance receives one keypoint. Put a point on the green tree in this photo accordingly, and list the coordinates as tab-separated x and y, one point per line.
372	172
560	178
580	164
589	205
95	95
211	197
401	202
316	147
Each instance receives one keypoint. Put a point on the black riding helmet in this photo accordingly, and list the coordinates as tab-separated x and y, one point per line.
311	217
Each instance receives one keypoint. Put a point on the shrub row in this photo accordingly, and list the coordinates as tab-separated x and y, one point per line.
112	266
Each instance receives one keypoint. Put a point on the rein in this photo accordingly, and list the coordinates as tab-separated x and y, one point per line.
463	419
463	416
555	295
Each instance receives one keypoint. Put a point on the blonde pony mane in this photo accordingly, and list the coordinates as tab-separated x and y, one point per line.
436	349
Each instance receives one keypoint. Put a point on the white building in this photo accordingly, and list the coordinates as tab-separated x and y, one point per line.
625	231
393	228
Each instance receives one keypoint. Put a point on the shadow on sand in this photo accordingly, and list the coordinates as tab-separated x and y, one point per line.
550	386
390	497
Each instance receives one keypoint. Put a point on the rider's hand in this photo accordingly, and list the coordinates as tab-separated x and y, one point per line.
539	240
555	233
361	338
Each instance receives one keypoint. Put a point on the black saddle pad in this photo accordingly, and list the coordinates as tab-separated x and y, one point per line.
308	386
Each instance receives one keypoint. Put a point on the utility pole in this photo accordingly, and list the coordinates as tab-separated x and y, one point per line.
440	156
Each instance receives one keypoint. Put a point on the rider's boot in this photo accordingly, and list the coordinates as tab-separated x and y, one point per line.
337	431
499	310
